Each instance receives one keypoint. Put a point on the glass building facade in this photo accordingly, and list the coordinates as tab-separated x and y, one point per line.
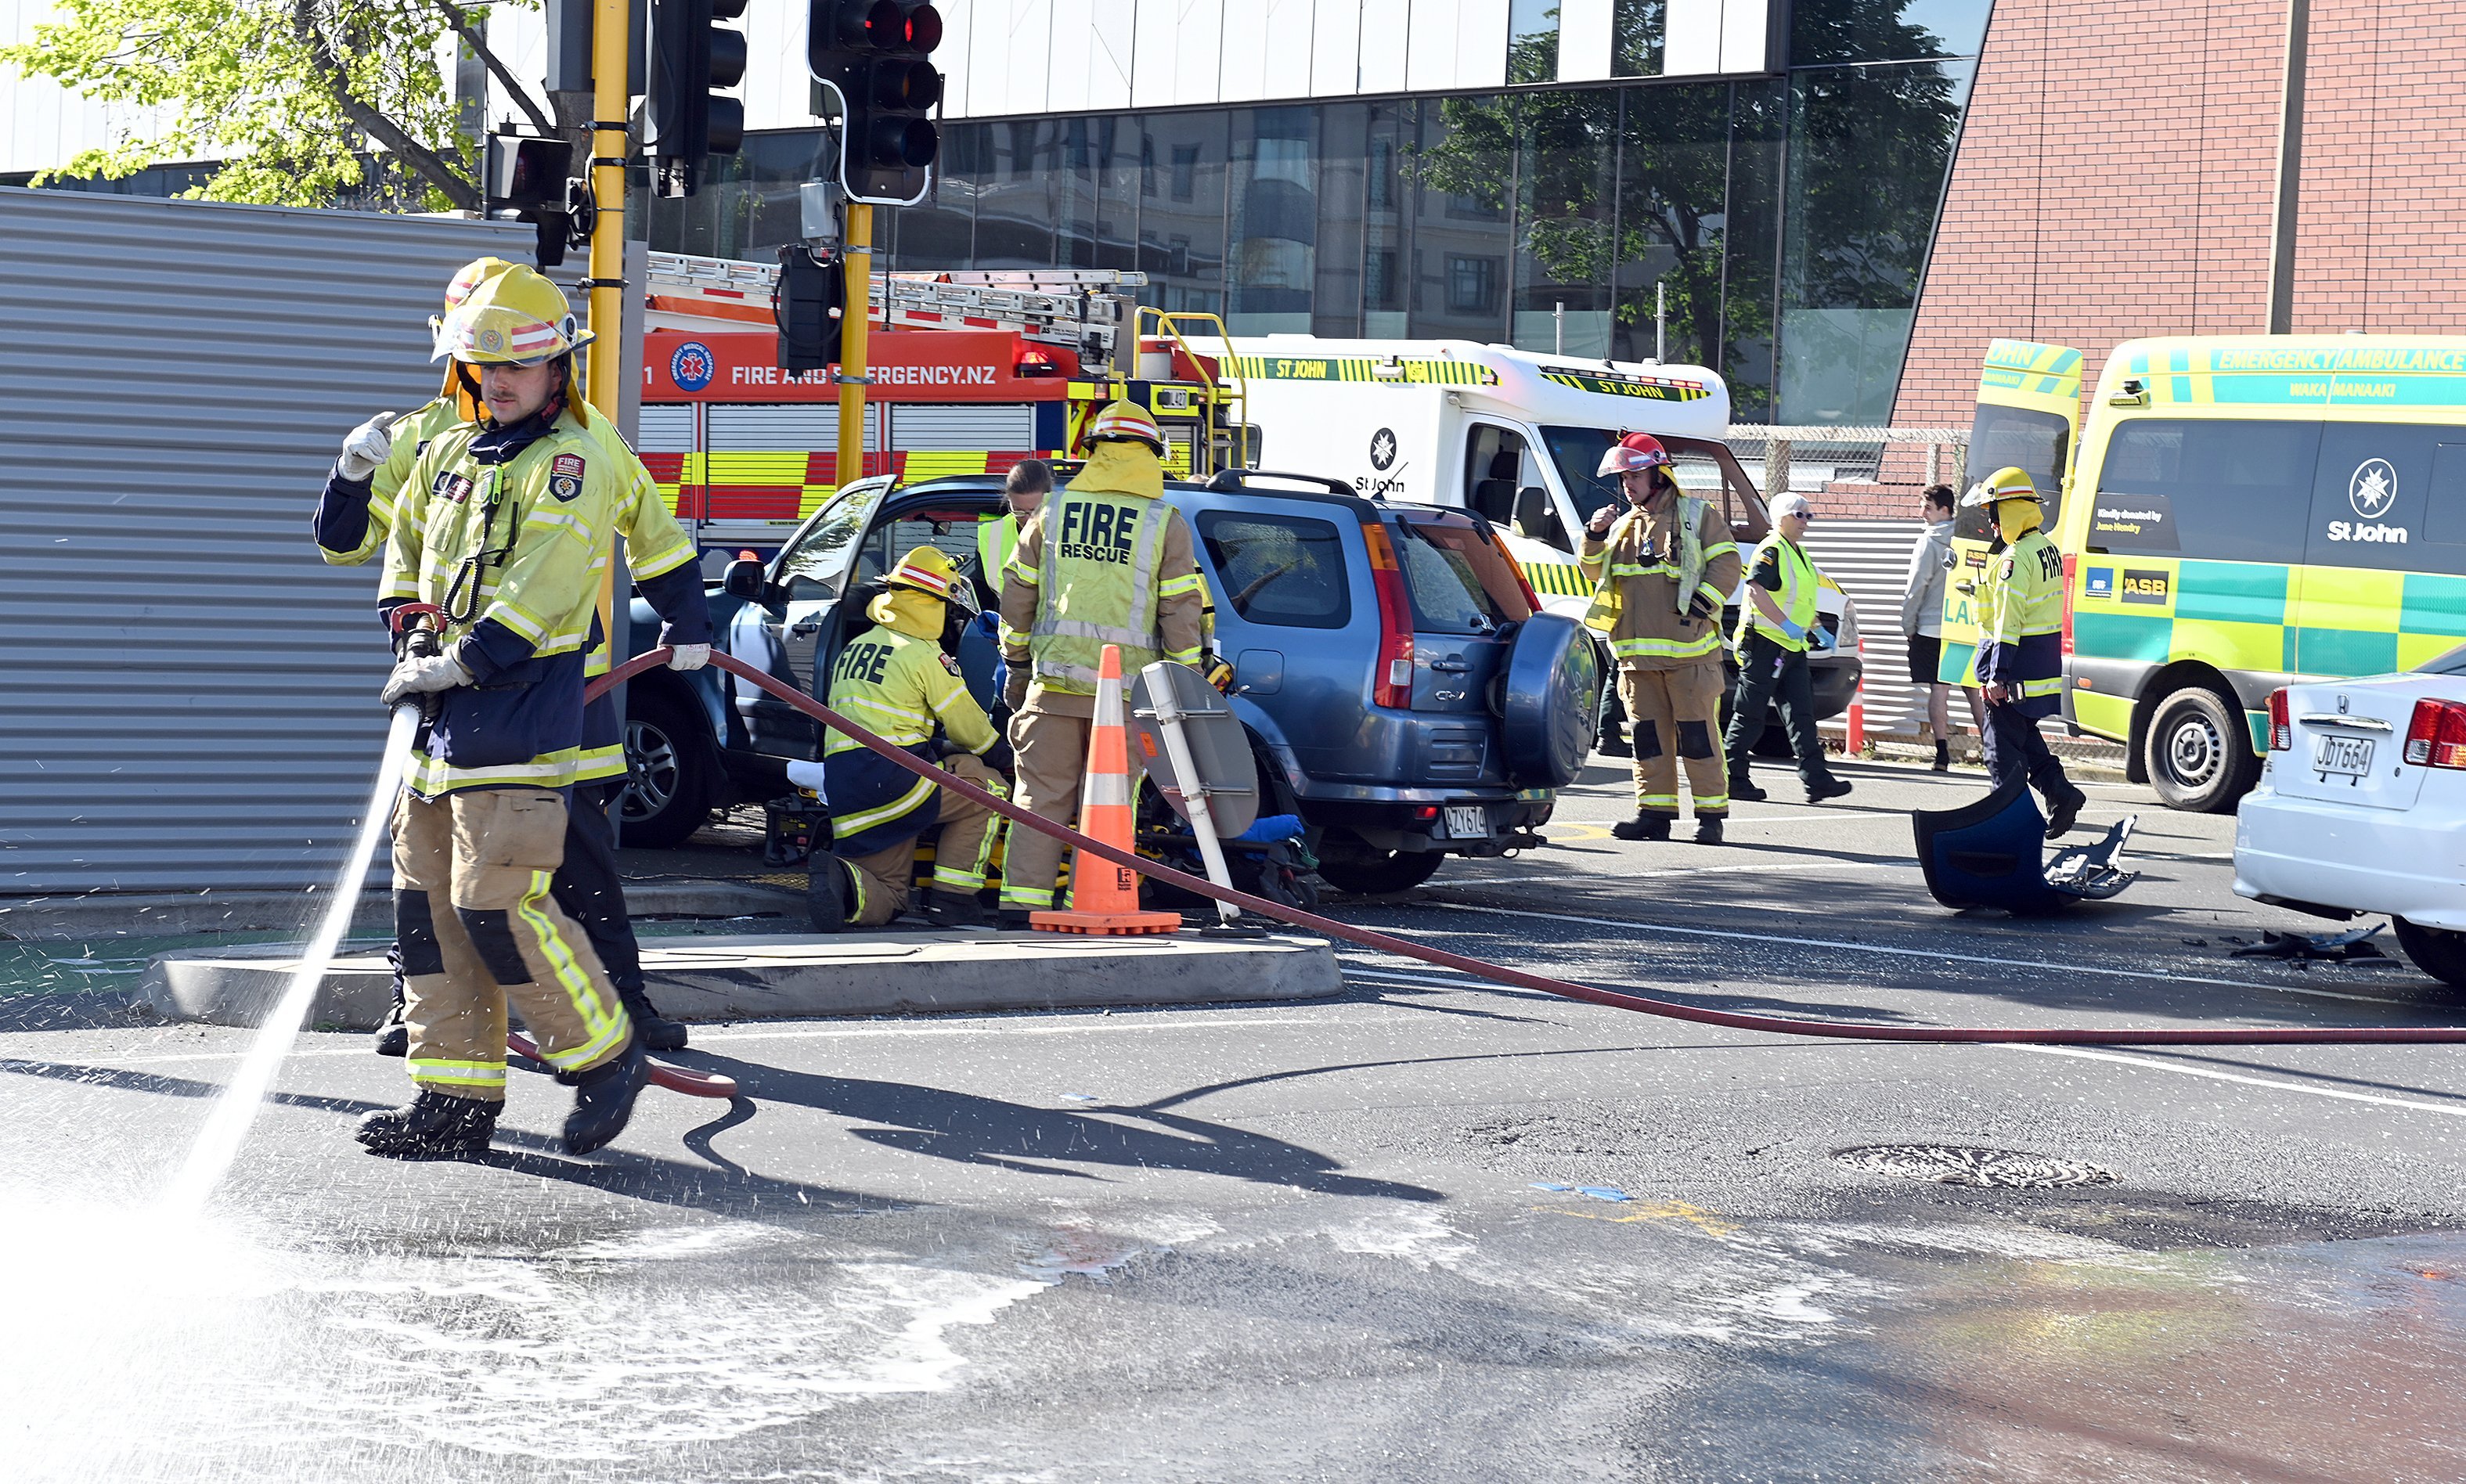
1775	229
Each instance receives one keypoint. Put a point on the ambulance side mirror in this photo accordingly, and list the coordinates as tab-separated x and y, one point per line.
1533	520
743	579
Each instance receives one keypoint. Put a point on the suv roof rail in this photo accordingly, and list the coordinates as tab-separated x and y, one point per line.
1231	482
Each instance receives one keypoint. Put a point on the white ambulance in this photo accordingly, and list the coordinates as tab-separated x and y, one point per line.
1512	434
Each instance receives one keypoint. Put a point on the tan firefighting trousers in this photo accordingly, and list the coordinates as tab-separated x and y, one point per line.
969	833
1050	749
476	926
1674	718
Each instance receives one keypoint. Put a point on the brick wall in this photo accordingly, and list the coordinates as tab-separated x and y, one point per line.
2117	178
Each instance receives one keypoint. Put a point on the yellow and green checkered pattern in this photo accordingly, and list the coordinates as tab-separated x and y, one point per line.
1556	579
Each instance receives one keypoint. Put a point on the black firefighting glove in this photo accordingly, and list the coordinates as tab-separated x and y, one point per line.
997	756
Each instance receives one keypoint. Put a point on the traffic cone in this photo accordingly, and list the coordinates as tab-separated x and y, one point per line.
1103	897
1854	743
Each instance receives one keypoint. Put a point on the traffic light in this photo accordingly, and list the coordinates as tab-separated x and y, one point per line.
528	177
873	55
690	57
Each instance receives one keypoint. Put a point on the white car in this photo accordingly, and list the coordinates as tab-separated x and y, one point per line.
2362	807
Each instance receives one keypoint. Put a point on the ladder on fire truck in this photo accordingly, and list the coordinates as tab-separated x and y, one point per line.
1083	310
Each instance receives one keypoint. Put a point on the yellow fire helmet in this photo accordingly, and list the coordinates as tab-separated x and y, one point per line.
517	317
2009	482
1125	422
465	281
928	569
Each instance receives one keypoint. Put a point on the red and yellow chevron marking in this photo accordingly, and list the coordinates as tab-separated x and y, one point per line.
792	484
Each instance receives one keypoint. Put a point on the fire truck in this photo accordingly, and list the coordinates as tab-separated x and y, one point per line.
969	372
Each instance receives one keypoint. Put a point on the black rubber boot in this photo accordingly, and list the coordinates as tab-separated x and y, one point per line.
953	909
1610	744
656	1032
1745	789
392	1037
434	1126
1708	829
1015	919
1643	827
1828	788
1943	756
603	1099
829	893
2067	811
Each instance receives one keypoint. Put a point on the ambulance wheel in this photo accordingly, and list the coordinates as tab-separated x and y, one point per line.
2437	951
1364	871
2198	751
668	784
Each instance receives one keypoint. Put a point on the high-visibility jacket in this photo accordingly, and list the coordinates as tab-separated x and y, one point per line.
353	521
997	540
1649	571
1795	595
2021	621
1104	561
896	682
505	529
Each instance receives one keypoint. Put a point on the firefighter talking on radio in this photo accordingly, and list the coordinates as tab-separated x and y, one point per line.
2020	644
1104	561
353	519
897	681
504	547
1661	571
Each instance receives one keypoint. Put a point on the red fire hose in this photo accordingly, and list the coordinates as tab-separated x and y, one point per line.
1774	1025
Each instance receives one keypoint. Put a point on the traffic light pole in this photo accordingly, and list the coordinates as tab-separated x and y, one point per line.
610	38
855	320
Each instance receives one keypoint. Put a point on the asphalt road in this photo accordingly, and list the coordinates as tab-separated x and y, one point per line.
1430	1230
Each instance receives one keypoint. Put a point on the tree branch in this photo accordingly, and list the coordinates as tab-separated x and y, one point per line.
431	165
461	23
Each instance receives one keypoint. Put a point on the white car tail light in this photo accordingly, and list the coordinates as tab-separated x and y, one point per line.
2436	736
2281	730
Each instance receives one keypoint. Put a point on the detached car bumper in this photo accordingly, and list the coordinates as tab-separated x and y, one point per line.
2408	863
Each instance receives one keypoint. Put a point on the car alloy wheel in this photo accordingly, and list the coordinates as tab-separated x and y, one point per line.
651	770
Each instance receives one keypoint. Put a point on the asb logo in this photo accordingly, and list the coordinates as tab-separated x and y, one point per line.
692	366
1382	449
2372	489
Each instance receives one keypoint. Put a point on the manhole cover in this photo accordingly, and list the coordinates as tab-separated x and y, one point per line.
1952	1164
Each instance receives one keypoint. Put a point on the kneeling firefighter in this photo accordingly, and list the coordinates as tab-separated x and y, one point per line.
2020	644
896	682
498	545
1661	573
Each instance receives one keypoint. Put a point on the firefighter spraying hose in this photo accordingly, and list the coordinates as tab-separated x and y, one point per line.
1671	1010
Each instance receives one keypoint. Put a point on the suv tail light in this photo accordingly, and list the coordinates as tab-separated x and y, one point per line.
2281	730
1393	683
2436	736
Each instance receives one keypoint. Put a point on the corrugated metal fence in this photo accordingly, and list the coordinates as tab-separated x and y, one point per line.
1871	561
187	692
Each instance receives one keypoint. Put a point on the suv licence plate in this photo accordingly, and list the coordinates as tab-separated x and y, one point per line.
1467	822
2351	755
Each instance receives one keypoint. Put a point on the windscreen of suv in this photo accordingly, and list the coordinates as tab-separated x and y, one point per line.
1459	580
1286	570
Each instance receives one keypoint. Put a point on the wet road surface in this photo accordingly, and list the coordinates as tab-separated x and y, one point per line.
1429	1231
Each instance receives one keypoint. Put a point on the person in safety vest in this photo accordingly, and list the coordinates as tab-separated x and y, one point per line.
353	517
896	682
2020	644
503	530
1661	571
1023	489
1104	561
1775	626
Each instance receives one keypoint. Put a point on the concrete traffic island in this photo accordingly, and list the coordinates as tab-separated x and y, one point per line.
794	978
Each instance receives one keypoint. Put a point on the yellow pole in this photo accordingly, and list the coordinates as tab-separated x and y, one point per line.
610	61
610	102
854	320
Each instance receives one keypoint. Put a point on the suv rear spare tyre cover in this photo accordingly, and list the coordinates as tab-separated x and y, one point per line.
1550	701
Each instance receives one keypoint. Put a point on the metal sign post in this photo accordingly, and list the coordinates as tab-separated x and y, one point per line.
1178	701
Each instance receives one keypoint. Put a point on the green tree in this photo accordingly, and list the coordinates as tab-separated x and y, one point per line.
299	97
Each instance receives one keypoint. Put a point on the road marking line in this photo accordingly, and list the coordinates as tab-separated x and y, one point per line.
2451	1110
1937	955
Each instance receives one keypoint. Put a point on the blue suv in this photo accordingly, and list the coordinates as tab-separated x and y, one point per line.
1405	695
